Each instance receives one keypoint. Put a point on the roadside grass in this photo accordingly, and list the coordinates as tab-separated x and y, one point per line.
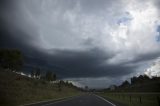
18	90
134	99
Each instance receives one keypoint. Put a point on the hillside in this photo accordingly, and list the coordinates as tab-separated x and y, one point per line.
140	91
18	90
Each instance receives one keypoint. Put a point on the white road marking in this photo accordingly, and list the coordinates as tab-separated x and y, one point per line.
70	98
105	100
38	102
56	102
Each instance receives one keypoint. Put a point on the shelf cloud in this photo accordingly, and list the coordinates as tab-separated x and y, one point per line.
84	40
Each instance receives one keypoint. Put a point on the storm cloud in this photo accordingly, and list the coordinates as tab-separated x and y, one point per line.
83	40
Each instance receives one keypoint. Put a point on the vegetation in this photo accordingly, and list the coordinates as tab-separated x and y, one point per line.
38	73
50	76
141	83
16	89
134	99
11	59
145	92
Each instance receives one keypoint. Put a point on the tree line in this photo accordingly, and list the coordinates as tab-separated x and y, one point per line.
13	60
138	83
141	79
49	76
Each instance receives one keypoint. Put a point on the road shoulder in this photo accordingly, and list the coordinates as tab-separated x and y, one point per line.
41	103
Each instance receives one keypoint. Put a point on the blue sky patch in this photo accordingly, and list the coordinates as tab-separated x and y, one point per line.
158	35
125	19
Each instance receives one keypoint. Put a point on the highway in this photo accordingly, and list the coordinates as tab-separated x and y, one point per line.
82	100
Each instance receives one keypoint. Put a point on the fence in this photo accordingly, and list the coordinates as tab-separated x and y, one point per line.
144	99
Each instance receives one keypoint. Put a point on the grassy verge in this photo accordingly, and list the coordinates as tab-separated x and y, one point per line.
134	99
18	90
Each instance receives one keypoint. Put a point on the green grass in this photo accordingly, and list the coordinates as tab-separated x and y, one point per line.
18	90
147	99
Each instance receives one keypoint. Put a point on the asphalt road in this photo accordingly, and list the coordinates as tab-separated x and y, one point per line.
83	100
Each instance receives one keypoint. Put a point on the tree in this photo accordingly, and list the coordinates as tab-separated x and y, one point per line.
11	58
50	76
38	73
125	84
32	74
133	80
140	79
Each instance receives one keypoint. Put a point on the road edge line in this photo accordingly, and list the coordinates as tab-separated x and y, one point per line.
54	100
66	99
105	100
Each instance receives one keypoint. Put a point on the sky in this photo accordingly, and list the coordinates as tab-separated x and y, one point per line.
90	42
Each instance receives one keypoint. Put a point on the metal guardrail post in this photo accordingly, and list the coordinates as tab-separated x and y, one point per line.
140	100
158	99
130	98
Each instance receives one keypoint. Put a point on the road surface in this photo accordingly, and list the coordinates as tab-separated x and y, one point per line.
83	100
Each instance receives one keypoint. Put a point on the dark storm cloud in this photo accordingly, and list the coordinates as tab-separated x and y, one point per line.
16	38
15	31
90	63
6	4
66	63
82	64
146	57
26	25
